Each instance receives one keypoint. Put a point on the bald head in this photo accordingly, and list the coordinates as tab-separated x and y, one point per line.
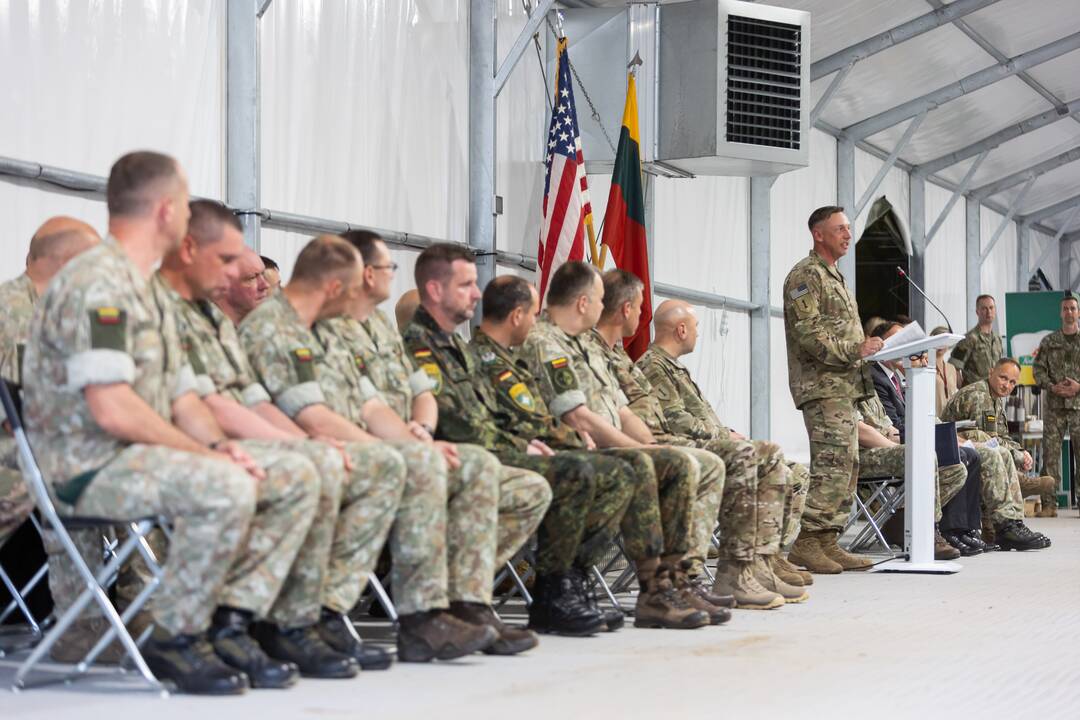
406	308
676	327
54	244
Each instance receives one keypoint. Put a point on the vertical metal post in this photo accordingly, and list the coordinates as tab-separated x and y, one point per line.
760	319
482	138
917	264
1023	256
1065	276
845	196
972	257
242	115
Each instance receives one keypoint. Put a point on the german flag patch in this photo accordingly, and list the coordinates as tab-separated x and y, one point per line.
422	353
505	375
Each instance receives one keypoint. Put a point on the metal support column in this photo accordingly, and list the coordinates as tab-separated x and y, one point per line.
760	334
1065	279
917	262
972	259
482	138
1023	255
845	197
242	115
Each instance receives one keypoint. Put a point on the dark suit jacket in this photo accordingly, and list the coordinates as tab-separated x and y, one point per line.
893	401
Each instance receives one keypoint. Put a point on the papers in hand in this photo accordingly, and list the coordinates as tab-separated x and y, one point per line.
910	333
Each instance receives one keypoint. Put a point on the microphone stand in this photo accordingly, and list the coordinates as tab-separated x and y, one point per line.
900	271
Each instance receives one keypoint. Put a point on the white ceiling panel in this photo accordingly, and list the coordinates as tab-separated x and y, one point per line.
1016	154
1017	26
1053	187
1061	76
839	24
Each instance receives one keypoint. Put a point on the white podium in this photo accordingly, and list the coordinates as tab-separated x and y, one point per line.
920	483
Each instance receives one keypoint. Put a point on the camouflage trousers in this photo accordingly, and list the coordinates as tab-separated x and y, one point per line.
660	519
472	533
590	493
834	463
1044	486
210	503
712	489
15	500
752	511
1001	496
524	497
1057	423
798	484
889	461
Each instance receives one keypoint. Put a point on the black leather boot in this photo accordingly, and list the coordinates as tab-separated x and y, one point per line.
236	648
306	649
613	617
189	663
337	632
558	608
1015	535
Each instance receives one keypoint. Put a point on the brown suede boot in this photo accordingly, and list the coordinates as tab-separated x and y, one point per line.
81	637
736	577
842	557
763	573
807	551
660	605
942	549
779	561
697	598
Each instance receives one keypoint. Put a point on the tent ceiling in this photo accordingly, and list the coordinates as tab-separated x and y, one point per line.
940	57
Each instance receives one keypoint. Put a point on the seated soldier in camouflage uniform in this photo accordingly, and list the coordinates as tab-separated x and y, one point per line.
751	517
581	390
109	409
56	242
323	393
510	307
343	538
984	403
880	455
407	415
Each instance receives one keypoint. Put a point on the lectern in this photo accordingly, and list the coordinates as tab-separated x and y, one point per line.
920	482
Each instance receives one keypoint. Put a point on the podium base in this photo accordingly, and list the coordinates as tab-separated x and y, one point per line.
927	568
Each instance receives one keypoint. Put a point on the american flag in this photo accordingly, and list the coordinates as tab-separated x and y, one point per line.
566	189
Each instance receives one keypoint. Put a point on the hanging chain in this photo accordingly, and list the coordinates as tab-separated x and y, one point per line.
527	6
592	106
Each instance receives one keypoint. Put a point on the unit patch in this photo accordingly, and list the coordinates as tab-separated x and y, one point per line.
305	369
433	372
108	329
521	396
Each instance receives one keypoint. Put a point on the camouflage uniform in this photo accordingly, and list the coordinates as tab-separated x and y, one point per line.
827	376
17	298
591	492
391	492
1001	494
472	488
466	416
667	399
975	355
794	502
570	372
1058	358
99	323
889	461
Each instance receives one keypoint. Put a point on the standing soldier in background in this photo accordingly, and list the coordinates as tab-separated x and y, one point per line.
1057	372
827	376
975	355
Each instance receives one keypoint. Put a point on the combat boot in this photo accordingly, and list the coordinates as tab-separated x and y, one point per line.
613	618
942	549
231	642
660	605
511	640
768	579
81	637
717	615
736	577
786	571
337	632
840	556
1015	535
438	635
807	551
189	663
306	649
559	609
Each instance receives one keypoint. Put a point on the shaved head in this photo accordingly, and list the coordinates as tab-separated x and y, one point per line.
670	313
61	236
676	327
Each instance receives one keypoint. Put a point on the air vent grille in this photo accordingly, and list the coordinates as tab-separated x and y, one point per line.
764	91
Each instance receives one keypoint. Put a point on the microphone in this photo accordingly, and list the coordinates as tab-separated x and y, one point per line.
901	273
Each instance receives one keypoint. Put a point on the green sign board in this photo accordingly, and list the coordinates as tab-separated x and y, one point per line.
1031	317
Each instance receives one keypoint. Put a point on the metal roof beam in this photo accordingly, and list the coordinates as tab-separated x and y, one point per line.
1051	210
888	164
895	36
1027	173
1007	219
1001	136
957	193
1054	243
971	83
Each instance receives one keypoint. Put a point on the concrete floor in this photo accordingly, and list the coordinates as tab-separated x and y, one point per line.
999	639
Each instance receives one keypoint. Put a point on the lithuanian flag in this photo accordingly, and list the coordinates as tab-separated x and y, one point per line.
624	219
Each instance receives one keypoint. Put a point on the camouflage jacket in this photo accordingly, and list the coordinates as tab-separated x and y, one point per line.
1058	358
975	355
380	355
872	412
100	323
17	298
976	402
519	395
688	413
299	366
469	411
572	371
824	335
213	349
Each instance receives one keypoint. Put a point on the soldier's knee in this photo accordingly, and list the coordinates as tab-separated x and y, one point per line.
228	490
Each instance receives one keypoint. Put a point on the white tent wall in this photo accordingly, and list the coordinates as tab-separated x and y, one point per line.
894	187
785	422
999	268
945	281
156	82
1050	267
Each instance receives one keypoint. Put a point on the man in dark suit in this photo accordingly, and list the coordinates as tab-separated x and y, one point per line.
888	380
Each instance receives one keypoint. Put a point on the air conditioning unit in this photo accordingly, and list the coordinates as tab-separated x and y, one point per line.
733	88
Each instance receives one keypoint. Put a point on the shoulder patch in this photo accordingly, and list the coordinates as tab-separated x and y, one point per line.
108	329
421	353
521	396
559	362
432	370
799	291
360	364
561	374
305	369
488	357
505	375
